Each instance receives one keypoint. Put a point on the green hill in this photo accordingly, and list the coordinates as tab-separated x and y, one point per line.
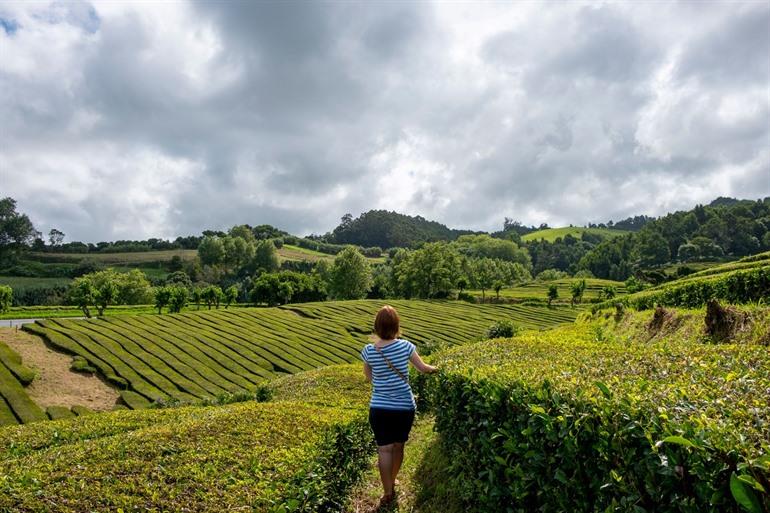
551	234
195	356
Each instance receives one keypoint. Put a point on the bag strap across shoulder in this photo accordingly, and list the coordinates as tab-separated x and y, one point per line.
392	367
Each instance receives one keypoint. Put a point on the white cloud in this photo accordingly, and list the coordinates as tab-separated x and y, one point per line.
133	120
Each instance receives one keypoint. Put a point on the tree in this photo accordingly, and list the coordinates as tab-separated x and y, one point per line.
652	248
82	294
577	288
608	292
177	299
196	295
553	293
211	251
285	291
350	275
16	230
162	298
179	278
485	273
55	237
244	232
231	295
6	298
211	295
497	285
431	271
266	257
265	289
133	288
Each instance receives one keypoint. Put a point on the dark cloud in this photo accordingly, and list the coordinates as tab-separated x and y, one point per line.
137	120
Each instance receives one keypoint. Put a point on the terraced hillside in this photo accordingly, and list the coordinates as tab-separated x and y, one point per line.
538	290
192	356
15	404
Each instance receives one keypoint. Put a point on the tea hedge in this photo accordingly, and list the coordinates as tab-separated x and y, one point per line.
740	286
191	357
283	456
561	421
15	405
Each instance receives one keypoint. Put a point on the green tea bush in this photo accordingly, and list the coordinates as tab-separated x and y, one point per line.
560	421
502	329
301	453
733	287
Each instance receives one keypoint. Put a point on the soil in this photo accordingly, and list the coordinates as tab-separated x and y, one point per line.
55	384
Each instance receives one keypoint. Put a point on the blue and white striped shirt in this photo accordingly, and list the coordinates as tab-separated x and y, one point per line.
389	391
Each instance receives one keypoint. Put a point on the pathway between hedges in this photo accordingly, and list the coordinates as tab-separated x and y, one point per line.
422	481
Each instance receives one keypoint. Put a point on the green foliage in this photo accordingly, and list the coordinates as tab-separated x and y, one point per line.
211	251
80	364
266	257
350	275
16	231
484	246
502	329
284	456
162	298
553	293
13	363
577	289
231	295
6	298
104	288
560	421
177	299
431	271
695	291
551	275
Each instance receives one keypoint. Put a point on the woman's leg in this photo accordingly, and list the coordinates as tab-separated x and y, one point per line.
398	457
385	464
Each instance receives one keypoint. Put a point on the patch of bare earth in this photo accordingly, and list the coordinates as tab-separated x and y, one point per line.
55	384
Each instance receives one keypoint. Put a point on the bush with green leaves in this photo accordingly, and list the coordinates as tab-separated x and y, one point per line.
6	298
740	286
561	421
502	329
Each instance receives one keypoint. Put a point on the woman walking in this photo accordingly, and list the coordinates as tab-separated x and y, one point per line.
391	409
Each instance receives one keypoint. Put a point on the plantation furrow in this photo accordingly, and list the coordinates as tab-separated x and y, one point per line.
7	418
240	361
210	368
143	362
169	355
278	344
126	371
71	346
304	337
272	357
19	402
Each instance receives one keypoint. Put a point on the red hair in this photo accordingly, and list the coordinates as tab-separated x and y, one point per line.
387	324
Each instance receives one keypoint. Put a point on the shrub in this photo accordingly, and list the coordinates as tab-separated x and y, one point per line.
559	421
502	329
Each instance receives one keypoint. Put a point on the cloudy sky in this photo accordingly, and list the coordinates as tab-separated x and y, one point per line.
142	119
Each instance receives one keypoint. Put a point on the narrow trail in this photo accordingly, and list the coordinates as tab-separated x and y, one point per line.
420	488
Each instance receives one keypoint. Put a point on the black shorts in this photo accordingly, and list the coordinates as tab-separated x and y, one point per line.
390	426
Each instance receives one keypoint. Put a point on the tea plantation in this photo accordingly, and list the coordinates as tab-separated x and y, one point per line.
592	418
189	357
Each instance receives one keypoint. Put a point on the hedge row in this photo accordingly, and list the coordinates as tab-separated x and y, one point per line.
191	357
12	361
733	287
559	421
284	456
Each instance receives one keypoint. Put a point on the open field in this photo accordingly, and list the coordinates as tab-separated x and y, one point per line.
551	234
128	258
193	356
538	290
18	283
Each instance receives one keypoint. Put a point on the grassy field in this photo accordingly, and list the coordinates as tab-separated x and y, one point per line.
551	234
538	290
23	282
193	356
129	258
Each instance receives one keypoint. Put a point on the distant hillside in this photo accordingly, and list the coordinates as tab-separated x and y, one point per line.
551	234
390	229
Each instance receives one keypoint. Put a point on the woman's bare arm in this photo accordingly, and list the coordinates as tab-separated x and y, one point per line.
367	372
421	365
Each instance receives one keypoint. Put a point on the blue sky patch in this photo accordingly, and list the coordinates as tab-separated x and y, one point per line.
10	26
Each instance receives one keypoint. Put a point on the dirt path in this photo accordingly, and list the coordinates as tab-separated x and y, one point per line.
421	481
55	384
